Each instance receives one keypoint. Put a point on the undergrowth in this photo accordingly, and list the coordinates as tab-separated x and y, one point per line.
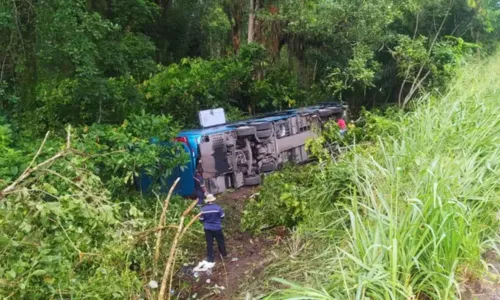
72	224
418	207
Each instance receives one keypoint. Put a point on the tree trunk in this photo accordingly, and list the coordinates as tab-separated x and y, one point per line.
234	13
277	36
251	21
257	26
236	38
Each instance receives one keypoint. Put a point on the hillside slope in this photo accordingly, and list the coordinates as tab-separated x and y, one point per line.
418	209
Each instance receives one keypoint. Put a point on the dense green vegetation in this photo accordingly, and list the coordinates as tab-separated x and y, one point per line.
72	226
82	62
112	74
406	214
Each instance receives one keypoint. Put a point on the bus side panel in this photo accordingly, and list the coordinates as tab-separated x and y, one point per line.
185	187
143	182
294	141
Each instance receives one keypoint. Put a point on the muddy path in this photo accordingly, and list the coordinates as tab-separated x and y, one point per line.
246	255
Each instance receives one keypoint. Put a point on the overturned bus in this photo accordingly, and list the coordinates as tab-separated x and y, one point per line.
238	154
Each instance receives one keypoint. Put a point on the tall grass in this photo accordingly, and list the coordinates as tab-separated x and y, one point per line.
421	207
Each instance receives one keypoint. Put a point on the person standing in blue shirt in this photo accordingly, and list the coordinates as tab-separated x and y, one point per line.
211	217
199	186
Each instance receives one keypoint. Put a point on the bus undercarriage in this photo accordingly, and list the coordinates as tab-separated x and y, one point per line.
239	157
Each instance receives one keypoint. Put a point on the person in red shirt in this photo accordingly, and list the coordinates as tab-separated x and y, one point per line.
342	125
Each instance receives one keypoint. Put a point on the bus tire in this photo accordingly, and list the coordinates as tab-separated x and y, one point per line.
245	131
254	180
264	134
261	125
268	167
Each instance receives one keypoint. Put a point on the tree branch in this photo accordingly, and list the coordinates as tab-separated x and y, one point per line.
171	257
161	223
29	170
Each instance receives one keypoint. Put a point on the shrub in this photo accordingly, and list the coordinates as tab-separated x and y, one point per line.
63	230
11	158
58	231
120	154
282	200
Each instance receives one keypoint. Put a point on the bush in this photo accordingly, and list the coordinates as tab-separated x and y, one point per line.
72	228
370	126
121	153
85	101
282	200
247	82
58	231
11	158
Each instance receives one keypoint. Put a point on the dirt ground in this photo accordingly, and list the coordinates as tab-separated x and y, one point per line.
246	255
488	287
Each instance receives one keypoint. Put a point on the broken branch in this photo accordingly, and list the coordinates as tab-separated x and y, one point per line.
162	222
29	170
171	257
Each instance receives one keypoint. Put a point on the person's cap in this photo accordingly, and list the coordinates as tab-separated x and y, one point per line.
210	198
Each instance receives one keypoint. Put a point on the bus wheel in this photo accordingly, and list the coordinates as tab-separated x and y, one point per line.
245	131
261	125
254	180
264	134
268	167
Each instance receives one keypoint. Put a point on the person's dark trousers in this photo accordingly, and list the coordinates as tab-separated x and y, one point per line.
201	197
219	237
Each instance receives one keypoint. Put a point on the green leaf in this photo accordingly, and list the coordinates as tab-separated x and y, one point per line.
285	196
14	170
38	273
4	240
25	227
50	188
12	274
54	207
